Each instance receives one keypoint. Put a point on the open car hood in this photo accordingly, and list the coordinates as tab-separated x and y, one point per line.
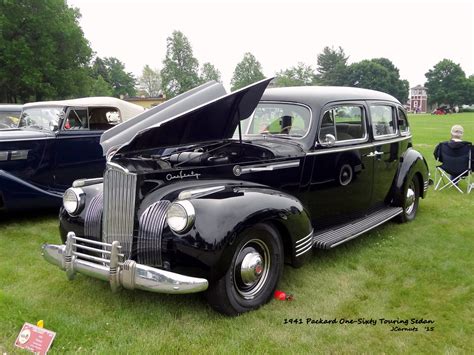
126	131
191	119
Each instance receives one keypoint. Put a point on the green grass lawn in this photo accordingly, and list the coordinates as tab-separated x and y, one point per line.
421	270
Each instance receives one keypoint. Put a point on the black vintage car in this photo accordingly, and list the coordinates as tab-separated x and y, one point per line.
216	192
51	144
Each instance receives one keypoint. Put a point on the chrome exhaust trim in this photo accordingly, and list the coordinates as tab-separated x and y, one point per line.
128	274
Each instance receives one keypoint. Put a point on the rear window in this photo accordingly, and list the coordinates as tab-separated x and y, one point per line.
403	122
383	120
344	122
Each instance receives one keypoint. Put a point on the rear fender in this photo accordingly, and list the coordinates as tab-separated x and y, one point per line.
412	163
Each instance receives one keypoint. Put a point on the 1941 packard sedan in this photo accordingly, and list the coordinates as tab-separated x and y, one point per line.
52	144
215	192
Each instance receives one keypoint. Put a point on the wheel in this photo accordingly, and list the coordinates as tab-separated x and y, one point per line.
253	275
411	197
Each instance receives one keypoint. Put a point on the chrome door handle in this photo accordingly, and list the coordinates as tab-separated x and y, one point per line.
374	154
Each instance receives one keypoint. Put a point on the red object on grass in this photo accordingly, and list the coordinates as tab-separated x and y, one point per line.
280	295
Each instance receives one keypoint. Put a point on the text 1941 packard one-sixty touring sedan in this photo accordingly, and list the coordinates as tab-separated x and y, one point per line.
53	144
215	192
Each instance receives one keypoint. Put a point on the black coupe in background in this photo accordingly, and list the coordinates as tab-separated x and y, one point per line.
53	143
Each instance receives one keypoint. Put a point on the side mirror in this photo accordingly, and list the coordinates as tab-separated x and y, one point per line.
329	141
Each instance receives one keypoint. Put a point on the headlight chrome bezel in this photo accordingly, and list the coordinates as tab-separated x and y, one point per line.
79	197
189	216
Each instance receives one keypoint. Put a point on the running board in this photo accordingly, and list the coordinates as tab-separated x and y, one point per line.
333	237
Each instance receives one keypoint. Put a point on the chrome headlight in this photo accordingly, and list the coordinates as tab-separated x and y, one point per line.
74	200
180	216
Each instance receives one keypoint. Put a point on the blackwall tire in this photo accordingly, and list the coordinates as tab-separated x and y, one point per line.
253	275
410	200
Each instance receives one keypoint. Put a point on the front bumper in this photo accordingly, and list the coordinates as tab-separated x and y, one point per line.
108	267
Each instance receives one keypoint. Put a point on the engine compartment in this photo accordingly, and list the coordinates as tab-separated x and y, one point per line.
214	154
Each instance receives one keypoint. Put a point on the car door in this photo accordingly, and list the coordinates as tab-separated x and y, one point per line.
387	149
78	153
342	169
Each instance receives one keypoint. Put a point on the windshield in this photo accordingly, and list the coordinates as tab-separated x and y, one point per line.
278	119
46	118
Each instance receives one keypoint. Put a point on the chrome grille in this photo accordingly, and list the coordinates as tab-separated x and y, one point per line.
119	207
152	222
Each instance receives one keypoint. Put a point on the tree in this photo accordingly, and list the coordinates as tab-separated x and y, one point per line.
180	68
43	51
248	71
301	75
332	67
378	74
150	81
210	72
100	87
122	83
470	91
100	69
446	83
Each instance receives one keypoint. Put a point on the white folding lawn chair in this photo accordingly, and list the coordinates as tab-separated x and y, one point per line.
456	164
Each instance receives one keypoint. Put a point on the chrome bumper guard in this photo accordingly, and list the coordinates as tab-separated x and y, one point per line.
111	267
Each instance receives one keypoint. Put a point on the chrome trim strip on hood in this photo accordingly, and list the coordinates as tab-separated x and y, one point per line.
215	119
267	167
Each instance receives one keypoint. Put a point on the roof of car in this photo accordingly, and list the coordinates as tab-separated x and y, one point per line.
324	94
126	108
10	107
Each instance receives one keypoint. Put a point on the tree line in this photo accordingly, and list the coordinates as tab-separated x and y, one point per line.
45	55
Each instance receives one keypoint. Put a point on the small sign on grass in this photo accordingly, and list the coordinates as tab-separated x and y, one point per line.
35	339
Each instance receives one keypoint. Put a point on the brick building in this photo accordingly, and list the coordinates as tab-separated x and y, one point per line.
418	101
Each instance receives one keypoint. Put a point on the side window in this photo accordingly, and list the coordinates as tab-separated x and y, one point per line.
103	118
345	122
76	119
403	122
383	122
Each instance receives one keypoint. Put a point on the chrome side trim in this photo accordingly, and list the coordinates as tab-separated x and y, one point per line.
87	182
304	245
302	240
128	274
426	185
196	193
361	146
270	167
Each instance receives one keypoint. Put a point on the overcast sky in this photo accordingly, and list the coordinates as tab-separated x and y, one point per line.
414	35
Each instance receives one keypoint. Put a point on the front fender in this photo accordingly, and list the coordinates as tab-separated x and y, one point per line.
222	216
16	193
76	224
412	163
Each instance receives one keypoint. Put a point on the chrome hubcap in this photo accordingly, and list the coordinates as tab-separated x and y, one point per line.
410	199
251	268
